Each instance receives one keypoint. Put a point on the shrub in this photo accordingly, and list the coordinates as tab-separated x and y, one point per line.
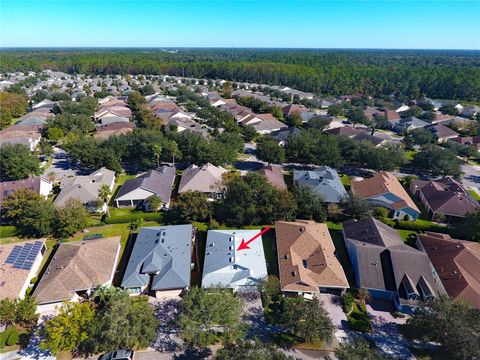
3	339
34	280
13	337
348	302
380	212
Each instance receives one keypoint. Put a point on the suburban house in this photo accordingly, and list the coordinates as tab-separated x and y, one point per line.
324	181
374	140
160	261
114	111
85	188
44	104
457	264
76	270
284	134
307	260
113	129
262	123
387	267
19	263
274	175
384	189
441	132
227	266
37	184
28	135
468	140
291	109
154	182
206	179
470	111
408	124
348	131
444	198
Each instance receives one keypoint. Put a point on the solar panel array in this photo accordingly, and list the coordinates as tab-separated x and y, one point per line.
23	257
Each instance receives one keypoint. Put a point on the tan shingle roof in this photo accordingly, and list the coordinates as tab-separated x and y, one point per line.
381	183
78	266
306	257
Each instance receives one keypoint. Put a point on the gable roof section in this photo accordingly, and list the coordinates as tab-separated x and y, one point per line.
446	196
163	252
205	179
384	260
274	175
226	266
324	181
84	188
306	257
457	263
78	266
159	181
381	183
9	187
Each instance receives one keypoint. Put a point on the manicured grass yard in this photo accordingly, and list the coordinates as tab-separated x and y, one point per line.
474	194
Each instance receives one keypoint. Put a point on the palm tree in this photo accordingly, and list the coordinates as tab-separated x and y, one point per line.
104	194
157	151
173	150
135	225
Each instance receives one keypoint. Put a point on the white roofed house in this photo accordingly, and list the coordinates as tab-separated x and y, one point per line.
206	179
227	265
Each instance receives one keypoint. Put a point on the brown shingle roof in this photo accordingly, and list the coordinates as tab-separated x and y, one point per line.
381	183
445	196
306	257
78	266
457	263
113	129
8	187
274	175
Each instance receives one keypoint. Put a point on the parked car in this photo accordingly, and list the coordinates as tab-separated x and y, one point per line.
118	355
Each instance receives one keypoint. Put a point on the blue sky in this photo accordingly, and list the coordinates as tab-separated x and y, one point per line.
229	23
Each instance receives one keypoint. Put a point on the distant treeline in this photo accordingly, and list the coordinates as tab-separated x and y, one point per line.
436	74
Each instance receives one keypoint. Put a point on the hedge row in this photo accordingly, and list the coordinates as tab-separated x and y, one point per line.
9	337
414	226
124	219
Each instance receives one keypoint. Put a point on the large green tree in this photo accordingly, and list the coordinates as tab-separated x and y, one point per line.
14	205
454	324
306	319
252	200
11	106
68	330
438	161
38	219
358	349
124	322
17	162
471	226
310	204
193	206
70	218
270	151
209	315
250	350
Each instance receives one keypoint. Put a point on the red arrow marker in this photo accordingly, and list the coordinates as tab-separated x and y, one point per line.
244	244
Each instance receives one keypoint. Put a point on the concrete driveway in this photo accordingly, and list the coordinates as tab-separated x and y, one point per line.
333	305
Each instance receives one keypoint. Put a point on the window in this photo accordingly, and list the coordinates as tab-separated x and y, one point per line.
294	273
305	264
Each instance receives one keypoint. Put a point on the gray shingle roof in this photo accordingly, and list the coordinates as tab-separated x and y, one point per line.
383	259
165	253
206	178
159	181
323	181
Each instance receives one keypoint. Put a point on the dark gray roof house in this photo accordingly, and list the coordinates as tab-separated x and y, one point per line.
154	182
386	266
160	260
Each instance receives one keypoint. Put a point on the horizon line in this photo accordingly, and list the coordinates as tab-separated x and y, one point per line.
229	48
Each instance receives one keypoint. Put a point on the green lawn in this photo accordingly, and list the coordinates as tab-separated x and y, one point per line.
346	180
474	194
7	231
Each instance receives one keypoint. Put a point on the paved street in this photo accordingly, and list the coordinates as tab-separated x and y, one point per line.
61	165
471	177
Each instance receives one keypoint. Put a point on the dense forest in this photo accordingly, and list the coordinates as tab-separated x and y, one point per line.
436	74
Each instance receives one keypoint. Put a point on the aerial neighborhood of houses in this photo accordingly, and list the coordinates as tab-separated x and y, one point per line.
165	187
